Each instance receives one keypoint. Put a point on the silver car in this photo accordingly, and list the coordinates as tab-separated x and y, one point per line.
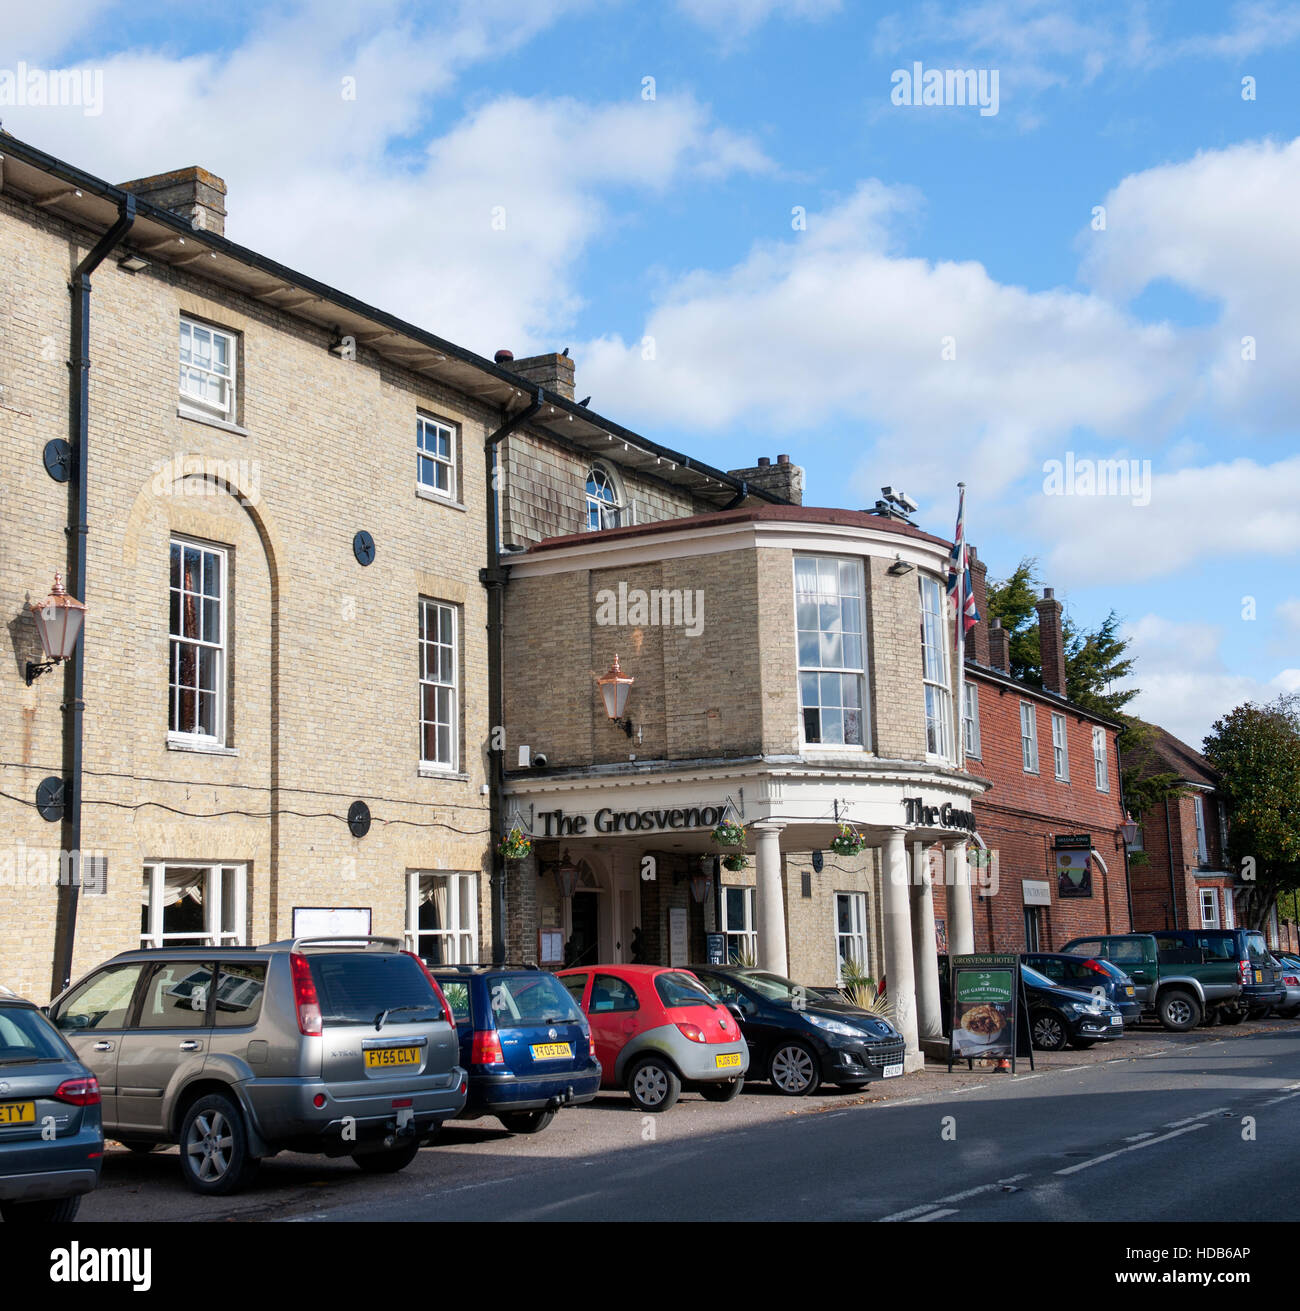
342	1046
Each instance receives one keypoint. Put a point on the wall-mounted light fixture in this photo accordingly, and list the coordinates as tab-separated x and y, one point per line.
566	877
614	687
59	619
1129	829
900	567
132	263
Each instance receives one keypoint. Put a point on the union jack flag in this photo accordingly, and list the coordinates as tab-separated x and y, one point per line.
959	584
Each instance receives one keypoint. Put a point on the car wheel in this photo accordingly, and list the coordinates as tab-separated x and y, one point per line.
722	1092
1231	1014
1178	1010
653	1084
59	1211
138	1146
793	1069
1049	1031
389	1161
526	1121
214	1147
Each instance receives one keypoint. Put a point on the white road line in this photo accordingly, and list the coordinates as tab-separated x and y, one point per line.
1150	1142
934	1215
914	1211
1192	1119
1286	1097
1137	1137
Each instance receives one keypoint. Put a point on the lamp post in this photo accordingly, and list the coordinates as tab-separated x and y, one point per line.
614	686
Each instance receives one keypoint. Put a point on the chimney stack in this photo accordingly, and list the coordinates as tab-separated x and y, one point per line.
999	647
781	479
1051	643
977	643
554	372
197	196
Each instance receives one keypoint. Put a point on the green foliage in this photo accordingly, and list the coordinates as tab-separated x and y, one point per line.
1012	600
1256	752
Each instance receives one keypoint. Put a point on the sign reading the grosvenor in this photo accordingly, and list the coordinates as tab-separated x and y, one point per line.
556	824
946	815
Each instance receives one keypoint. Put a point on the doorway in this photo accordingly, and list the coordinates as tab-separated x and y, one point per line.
1033	927
583	947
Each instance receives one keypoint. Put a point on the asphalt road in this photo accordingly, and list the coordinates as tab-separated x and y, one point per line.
1195	1128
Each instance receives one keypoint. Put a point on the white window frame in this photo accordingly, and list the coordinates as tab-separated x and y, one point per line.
856	938
1202	846
462	916
218	931
1209	908
616	512
1029	739
842	670
429	458
1229	909
746	933
1100	758
191	736
1060	748
936	677
970	722
226	382
453	728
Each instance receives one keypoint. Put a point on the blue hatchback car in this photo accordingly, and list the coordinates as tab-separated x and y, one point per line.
524	1041
51	1138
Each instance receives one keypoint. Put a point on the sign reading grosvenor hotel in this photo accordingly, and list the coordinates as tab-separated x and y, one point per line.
556	824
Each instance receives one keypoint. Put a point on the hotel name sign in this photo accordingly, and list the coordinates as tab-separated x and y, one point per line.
915	811
556	824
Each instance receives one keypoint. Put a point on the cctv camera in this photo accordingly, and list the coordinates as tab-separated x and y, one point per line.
539	760
908	503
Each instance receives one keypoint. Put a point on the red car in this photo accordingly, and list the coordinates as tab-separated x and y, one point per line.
655	1028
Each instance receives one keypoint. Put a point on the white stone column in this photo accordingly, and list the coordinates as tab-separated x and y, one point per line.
961	917
925	953
897	918
769	898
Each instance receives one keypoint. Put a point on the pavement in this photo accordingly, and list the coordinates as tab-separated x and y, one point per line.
1154	1126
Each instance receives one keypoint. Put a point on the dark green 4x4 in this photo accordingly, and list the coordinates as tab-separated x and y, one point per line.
1179	982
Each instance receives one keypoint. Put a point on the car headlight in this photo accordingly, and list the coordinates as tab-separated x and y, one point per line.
1085	1008
834	1026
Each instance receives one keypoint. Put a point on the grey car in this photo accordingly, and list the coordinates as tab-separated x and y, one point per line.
51	1142
343	1047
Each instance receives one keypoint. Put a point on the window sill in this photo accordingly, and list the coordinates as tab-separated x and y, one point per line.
183	742
425	494
437	771
198	416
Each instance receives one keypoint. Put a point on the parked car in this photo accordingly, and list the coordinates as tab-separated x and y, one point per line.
1177	984
1088	974
1241	949
1291	982
657	1029
341	1046
799	1037
43	1087
525	1043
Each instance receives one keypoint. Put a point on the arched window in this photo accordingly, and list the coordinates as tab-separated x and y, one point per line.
604	504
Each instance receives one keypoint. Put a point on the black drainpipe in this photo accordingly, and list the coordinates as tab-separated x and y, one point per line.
75	674
494	578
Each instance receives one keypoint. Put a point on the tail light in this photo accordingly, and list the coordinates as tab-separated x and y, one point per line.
1243	967
693	1032
1094	967
487	1048
78	1092
304	996
437	991
1291	981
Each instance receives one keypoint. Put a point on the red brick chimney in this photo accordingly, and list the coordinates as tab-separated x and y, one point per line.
977	640
999	641
1051	643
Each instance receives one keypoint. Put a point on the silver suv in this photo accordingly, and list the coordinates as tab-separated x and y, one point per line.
343	1046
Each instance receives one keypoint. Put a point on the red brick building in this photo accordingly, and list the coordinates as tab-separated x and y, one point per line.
1051	821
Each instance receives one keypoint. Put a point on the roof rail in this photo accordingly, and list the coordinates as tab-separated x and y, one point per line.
366	940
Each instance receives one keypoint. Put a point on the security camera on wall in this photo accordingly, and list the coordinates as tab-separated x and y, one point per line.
900	498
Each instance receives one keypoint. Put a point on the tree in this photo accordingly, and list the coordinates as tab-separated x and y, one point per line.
1256	752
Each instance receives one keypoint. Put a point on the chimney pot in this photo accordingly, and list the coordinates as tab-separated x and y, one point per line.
764	462
503	356
783	459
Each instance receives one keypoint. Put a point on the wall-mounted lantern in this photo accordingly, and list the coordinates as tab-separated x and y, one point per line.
566	877
59	619
614	686
1129	829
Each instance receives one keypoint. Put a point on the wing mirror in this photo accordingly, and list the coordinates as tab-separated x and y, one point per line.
735	1009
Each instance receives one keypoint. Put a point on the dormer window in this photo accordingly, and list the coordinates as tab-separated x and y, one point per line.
605	505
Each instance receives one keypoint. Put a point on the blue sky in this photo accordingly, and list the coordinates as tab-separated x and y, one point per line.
929	230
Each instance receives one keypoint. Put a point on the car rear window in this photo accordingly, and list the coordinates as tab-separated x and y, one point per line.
26	1035
1090	948
456	992
681	990
355	987
1217	946
521	1001
1258	949
575	985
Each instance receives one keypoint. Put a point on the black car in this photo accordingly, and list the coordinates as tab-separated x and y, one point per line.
1087	974
799	1037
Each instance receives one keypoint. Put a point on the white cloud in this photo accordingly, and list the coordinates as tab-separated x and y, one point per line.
737	18
1288	613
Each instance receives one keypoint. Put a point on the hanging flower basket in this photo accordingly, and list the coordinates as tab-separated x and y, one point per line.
729	834
848	841
735	863
516	845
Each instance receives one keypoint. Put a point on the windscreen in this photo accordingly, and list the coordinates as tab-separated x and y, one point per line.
682	990
522	1001
27	1036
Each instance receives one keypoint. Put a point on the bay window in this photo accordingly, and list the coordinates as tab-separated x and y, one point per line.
934	669
831	640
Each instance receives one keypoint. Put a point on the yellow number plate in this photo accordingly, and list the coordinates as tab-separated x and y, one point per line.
1259	976
551	1051
18	1113
380	1057
727	1062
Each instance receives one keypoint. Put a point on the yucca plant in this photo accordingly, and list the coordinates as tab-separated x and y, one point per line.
744	956
860	989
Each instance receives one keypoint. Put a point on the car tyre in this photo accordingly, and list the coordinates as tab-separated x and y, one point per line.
653	1084
388	1161
58	1211
1049	1031
793	1070
1178	1010
722	1092
1231	1014
138	1146
526	1121
215	1159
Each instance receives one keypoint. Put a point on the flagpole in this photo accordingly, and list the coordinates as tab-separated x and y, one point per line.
961	631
